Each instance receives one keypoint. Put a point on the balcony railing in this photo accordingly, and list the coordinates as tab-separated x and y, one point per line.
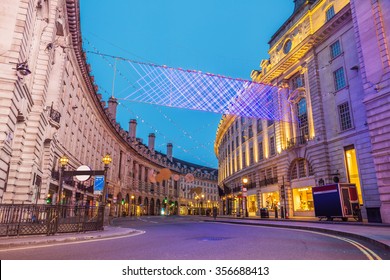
268	181
297	141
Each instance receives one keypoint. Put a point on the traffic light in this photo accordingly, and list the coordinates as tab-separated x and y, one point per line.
123	201
48	199
165	200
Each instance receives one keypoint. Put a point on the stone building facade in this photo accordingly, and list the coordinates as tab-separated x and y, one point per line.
50	106
318	59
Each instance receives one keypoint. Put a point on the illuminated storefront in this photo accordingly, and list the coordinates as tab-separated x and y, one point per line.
252	205
303	200
270	200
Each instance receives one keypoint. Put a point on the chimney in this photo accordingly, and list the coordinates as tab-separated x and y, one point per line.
132	129
152	138
112	104
169	151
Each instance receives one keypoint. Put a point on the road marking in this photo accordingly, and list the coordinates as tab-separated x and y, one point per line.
62	243
146	221
366	251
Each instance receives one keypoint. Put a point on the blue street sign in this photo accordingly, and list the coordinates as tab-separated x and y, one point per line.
99	184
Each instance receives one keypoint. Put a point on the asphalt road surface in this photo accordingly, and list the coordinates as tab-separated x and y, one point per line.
189	238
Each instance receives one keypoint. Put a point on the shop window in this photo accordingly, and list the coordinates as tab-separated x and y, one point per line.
303	199
353	169
270	200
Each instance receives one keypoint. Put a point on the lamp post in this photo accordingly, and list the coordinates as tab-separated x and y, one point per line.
244	190
63	162
106	160
132	205
202	204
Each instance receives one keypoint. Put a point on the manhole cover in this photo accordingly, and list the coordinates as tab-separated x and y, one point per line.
212	238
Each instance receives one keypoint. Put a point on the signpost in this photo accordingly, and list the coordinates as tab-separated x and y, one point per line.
83	178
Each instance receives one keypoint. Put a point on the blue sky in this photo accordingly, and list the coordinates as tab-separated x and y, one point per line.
225	37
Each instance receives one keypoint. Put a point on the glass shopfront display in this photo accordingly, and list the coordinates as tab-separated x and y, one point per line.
303	199
270	200
252	205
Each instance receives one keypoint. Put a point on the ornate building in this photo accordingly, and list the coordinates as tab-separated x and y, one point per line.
321	57
50	107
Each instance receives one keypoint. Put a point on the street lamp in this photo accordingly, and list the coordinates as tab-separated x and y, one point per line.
132	205
106	160
202	203
244	190
63	162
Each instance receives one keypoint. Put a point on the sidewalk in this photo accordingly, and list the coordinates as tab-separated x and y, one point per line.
26	240
378	234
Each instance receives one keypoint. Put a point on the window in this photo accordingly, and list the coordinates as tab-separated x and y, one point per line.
250	131
339	79
251	156
259	126
303	124
243	159
237	141
345	116
261	152
297	81
272	149
335	49
329	13
270	122
300	168
287	46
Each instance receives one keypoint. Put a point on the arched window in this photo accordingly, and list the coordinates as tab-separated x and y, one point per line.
300	168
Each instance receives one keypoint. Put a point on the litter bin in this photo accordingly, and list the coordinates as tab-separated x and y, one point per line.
264	213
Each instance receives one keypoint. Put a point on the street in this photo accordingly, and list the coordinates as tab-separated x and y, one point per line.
190	238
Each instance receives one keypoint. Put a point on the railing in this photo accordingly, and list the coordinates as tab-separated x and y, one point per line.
268	181
297	141
20	219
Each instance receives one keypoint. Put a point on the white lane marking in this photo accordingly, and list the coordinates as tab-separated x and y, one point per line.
62	243
146	221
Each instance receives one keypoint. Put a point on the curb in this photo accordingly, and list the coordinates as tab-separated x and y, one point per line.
43	239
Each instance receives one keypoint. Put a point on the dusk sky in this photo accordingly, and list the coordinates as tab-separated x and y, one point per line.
224	37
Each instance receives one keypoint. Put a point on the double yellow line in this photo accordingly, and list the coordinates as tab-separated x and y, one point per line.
371	255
